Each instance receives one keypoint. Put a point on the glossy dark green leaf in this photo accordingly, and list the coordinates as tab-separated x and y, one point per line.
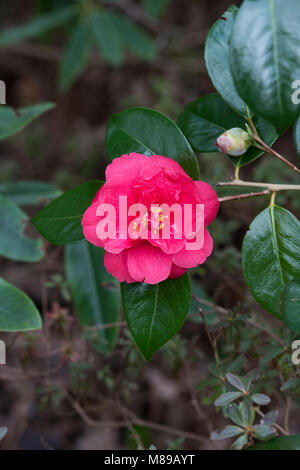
17	311
106	36
39	25
266	58
134	38
13	243
29	192
205	119
279	443
149	132
271	255
297	139
95	293
217	59
60	221
76	54
13	121
155	313
291	304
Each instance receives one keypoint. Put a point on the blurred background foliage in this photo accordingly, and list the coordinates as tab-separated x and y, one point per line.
94	58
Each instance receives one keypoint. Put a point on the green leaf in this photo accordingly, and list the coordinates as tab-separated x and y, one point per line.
3	432
39	25
291	305
297	139
29	192
143	130
270	352
206	118
247	412
271	255
106	36
229	431
236	364
279	443
235	381
13	121
290	384
156	7
227	398
240	442
76	54
13	243
260	399
263	431
218	61
138	41
155	313
95	293
235	415
17	311
270	417
60	221
266	58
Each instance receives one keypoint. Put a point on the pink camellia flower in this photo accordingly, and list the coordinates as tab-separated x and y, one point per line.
138	251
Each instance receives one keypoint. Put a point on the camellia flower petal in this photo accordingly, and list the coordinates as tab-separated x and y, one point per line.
150	218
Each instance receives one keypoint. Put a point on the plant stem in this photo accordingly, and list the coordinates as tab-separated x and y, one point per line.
225	311
263	146
274	153
236	172
271	187
244	196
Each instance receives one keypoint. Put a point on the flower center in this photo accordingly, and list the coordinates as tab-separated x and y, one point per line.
154	222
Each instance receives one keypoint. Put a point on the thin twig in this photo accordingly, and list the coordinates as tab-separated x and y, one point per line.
212	341
287	414
106	325
250	322
270	186
132	429
269	332
137	421
244	196
263	146
274	153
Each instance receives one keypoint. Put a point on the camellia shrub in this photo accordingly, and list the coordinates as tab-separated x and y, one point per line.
153	163
148	223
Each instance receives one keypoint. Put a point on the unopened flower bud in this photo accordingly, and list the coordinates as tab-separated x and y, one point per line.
234	142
